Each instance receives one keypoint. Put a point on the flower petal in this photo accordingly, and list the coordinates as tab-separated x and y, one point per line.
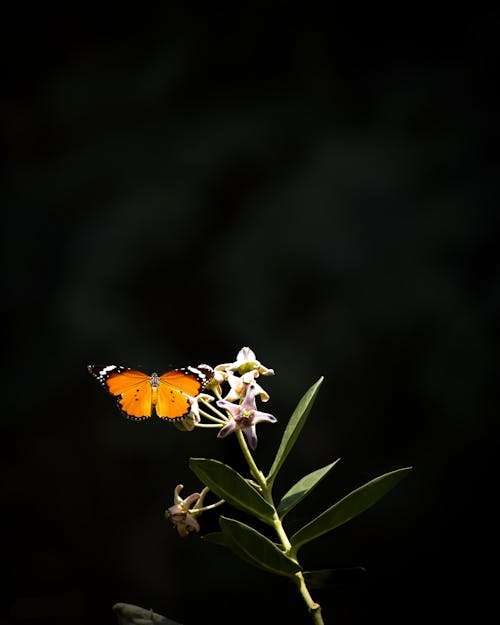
187	525
245	355
238	388
258	417
248	404
246	361
251	435
259	391
174	513
230	427
190	500
192	523
177	498
234	409
188	423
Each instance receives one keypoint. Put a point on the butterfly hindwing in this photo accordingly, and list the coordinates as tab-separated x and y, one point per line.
136	401
171	404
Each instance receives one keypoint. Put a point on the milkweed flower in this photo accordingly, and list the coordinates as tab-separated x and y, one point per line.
245	361
191	420
181	515
244	416
240	384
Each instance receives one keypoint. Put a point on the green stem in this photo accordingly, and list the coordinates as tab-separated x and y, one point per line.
280	530
254	470
205	508
313	607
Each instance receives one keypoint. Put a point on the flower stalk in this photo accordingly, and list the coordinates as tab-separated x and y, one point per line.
314	608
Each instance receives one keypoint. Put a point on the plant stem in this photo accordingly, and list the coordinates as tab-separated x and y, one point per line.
205	508
280	530
313	607
254	470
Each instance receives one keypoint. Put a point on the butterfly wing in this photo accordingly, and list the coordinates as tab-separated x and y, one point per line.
172	400
132	387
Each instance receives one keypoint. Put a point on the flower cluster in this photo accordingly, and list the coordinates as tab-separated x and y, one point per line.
239	412
239	403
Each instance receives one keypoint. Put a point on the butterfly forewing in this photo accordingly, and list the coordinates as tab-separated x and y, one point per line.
119	383
186	380
102	372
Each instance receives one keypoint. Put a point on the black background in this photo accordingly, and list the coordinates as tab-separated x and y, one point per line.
317	184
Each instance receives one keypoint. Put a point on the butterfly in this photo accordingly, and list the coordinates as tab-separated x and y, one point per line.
139	394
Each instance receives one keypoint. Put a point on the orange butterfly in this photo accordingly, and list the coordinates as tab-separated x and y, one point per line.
138	393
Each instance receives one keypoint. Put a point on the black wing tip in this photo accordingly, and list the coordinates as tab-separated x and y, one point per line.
204	372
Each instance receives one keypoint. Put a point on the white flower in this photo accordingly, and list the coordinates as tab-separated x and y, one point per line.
239	386
189	422
245	362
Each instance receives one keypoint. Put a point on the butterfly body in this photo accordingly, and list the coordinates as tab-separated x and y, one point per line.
139	395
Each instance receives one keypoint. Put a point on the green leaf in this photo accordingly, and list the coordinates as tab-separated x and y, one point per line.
257	549
349	507
293	429
225	540
229	485
330	578
302	488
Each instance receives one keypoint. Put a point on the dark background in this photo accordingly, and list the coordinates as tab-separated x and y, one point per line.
318	184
